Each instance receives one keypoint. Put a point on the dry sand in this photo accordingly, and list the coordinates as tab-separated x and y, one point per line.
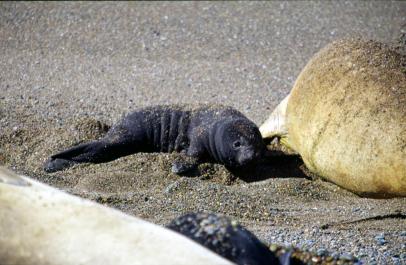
67	70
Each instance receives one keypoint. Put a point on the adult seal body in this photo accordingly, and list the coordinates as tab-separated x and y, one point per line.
346	117
202	134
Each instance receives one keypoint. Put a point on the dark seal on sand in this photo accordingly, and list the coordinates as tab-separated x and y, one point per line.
202	134
225	237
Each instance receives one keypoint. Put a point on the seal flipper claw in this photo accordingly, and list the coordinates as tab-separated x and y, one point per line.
56	164
182	167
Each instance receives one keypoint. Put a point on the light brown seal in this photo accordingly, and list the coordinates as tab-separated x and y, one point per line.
42	225
346	117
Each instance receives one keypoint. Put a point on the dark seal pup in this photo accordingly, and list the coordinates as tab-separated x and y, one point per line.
203	134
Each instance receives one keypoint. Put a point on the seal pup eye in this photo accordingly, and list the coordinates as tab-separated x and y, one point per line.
237	144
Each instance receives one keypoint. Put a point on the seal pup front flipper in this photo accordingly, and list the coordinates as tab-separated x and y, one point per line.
184	165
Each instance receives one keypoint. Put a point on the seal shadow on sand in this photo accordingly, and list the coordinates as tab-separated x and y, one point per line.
277	165
280	165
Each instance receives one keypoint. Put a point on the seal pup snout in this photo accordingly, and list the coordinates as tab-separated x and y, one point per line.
247	156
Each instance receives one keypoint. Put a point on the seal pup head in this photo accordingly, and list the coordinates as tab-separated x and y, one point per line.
238	143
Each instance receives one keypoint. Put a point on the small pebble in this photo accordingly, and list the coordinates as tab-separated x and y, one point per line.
172	187
321	252
381	242
316	259
346	256
396	261
380	236
309	242
380	239
335	255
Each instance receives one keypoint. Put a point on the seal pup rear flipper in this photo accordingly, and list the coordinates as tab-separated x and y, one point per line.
64	159
91	152
71	152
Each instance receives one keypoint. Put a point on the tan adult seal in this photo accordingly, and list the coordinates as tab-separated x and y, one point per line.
346	117
42	225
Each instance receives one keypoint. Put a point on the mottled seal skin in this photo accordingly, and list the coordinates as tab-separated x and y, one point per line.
225	237
202	134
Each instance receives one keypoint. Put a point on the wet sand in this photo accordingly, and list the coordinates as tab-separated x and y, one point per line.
68	71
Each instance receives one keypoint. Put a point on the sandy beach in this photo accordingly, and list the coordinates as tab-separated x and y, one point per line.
68	71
